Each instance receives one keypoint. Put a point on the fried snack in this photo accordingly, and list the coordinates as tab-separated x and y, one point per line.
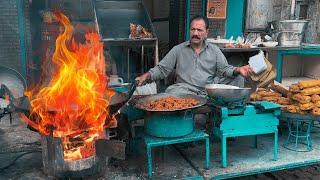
270	98
301	98
317	104
291	108
283	101
262	89
280	89
171	103
306	106
316	111
269	94
308	83
315	98
311	91
255	97
229	45
294	88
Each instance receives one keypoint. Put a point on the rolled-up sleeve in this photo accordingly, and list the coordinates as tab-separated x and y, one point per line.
165	66
223	68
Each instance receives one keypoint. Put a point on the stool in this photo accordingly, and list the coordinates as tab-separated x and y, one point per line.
295	127
196	135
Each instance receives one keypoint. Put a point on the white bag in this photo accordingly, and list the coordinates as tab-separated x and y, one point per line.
257	63
147	89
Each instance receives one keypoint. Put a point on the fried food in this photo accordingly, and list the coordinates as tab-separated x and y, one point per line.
311	91
171	103
294	88
308	83
306	106
284	101
255	97
317	104
270	98
269	94
315	98
137	31
301	98
292	108
316	111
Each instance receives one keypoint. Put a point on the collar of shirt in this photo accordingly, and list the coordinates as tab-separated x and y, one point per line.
206	44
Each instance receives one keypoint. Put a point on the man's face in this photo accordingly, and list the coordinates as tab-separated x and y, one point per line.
198	31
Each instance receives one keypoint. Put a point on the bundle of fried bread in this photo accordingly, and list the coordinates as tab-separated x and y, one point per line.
303	97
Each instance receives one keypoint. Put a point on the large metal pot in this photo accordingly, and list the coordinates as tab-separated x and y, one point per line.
173	123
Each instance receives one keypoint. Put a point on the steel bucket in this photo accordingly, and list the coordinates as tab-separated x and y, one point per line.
293	25
290	38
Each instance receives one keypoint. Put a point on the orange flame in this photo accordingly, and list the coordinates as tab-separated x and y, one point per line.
73	106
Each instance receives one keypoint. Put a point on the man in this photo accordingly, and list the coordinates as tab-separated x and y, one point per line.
196	63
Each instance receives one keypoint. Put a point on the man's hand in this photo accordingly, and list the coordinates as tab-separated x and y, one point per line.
143	78
244	71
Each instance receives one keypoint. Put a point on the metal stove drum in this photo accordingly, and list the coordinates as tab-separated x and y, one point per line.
233	116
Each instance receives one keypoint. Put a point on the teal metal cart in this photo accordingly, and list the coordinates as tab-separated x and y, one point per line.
254	119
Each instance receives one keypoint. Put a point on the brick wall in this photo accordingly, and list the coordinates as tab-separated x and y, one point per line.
9	34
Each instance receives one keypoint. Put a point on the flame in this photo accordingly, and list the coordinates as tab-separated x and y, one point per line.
73	105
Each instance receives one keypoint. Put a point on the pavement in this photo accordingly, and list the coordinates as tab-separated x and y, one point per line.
20	158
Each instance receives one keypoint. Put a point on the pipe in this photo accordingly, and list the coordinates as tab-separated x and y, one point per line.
187	29
293	7
22	30
204	7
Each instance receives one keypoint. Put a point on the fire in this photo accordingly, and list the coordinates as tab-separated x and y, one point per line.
73	105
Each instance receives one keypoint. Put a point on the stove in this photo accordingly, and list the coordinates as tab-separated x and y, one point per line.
244	119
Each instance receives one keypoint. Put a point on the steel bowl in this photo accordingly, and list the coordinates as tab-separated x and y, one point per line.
227	93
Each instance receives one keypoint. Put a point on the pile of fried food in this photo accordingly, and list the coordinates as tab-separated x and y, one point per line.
170	103
137	32
302	98
237	45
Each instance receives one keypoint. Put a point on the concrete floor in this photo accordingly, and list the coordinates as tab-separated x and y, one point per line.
20	158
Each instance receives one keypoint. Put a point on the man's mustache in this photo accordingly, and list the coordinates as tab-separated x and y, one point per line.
196	37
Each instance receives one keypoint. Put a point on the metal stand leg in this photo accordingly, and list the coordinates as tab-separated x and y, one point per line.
149	159
309	142
289	133
224	151
275	150
255	141
297	134
207	152
128	65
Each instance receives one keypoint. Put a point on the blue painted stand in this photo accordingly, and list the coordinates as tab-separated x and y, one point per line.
296	124
258	118
196	135
303	51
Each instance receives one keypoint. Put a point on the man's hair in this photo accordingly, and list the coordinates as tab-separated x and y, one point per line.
199	17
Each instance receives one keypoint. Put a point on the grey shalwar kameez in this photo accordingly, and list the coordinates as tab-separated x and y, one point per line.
194	71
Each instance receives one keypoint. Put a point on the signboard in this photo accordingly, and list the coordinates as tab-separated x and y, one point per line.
217	9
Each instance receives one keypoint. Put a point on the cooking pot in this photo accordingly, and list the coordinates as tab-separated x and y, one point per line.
168	124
